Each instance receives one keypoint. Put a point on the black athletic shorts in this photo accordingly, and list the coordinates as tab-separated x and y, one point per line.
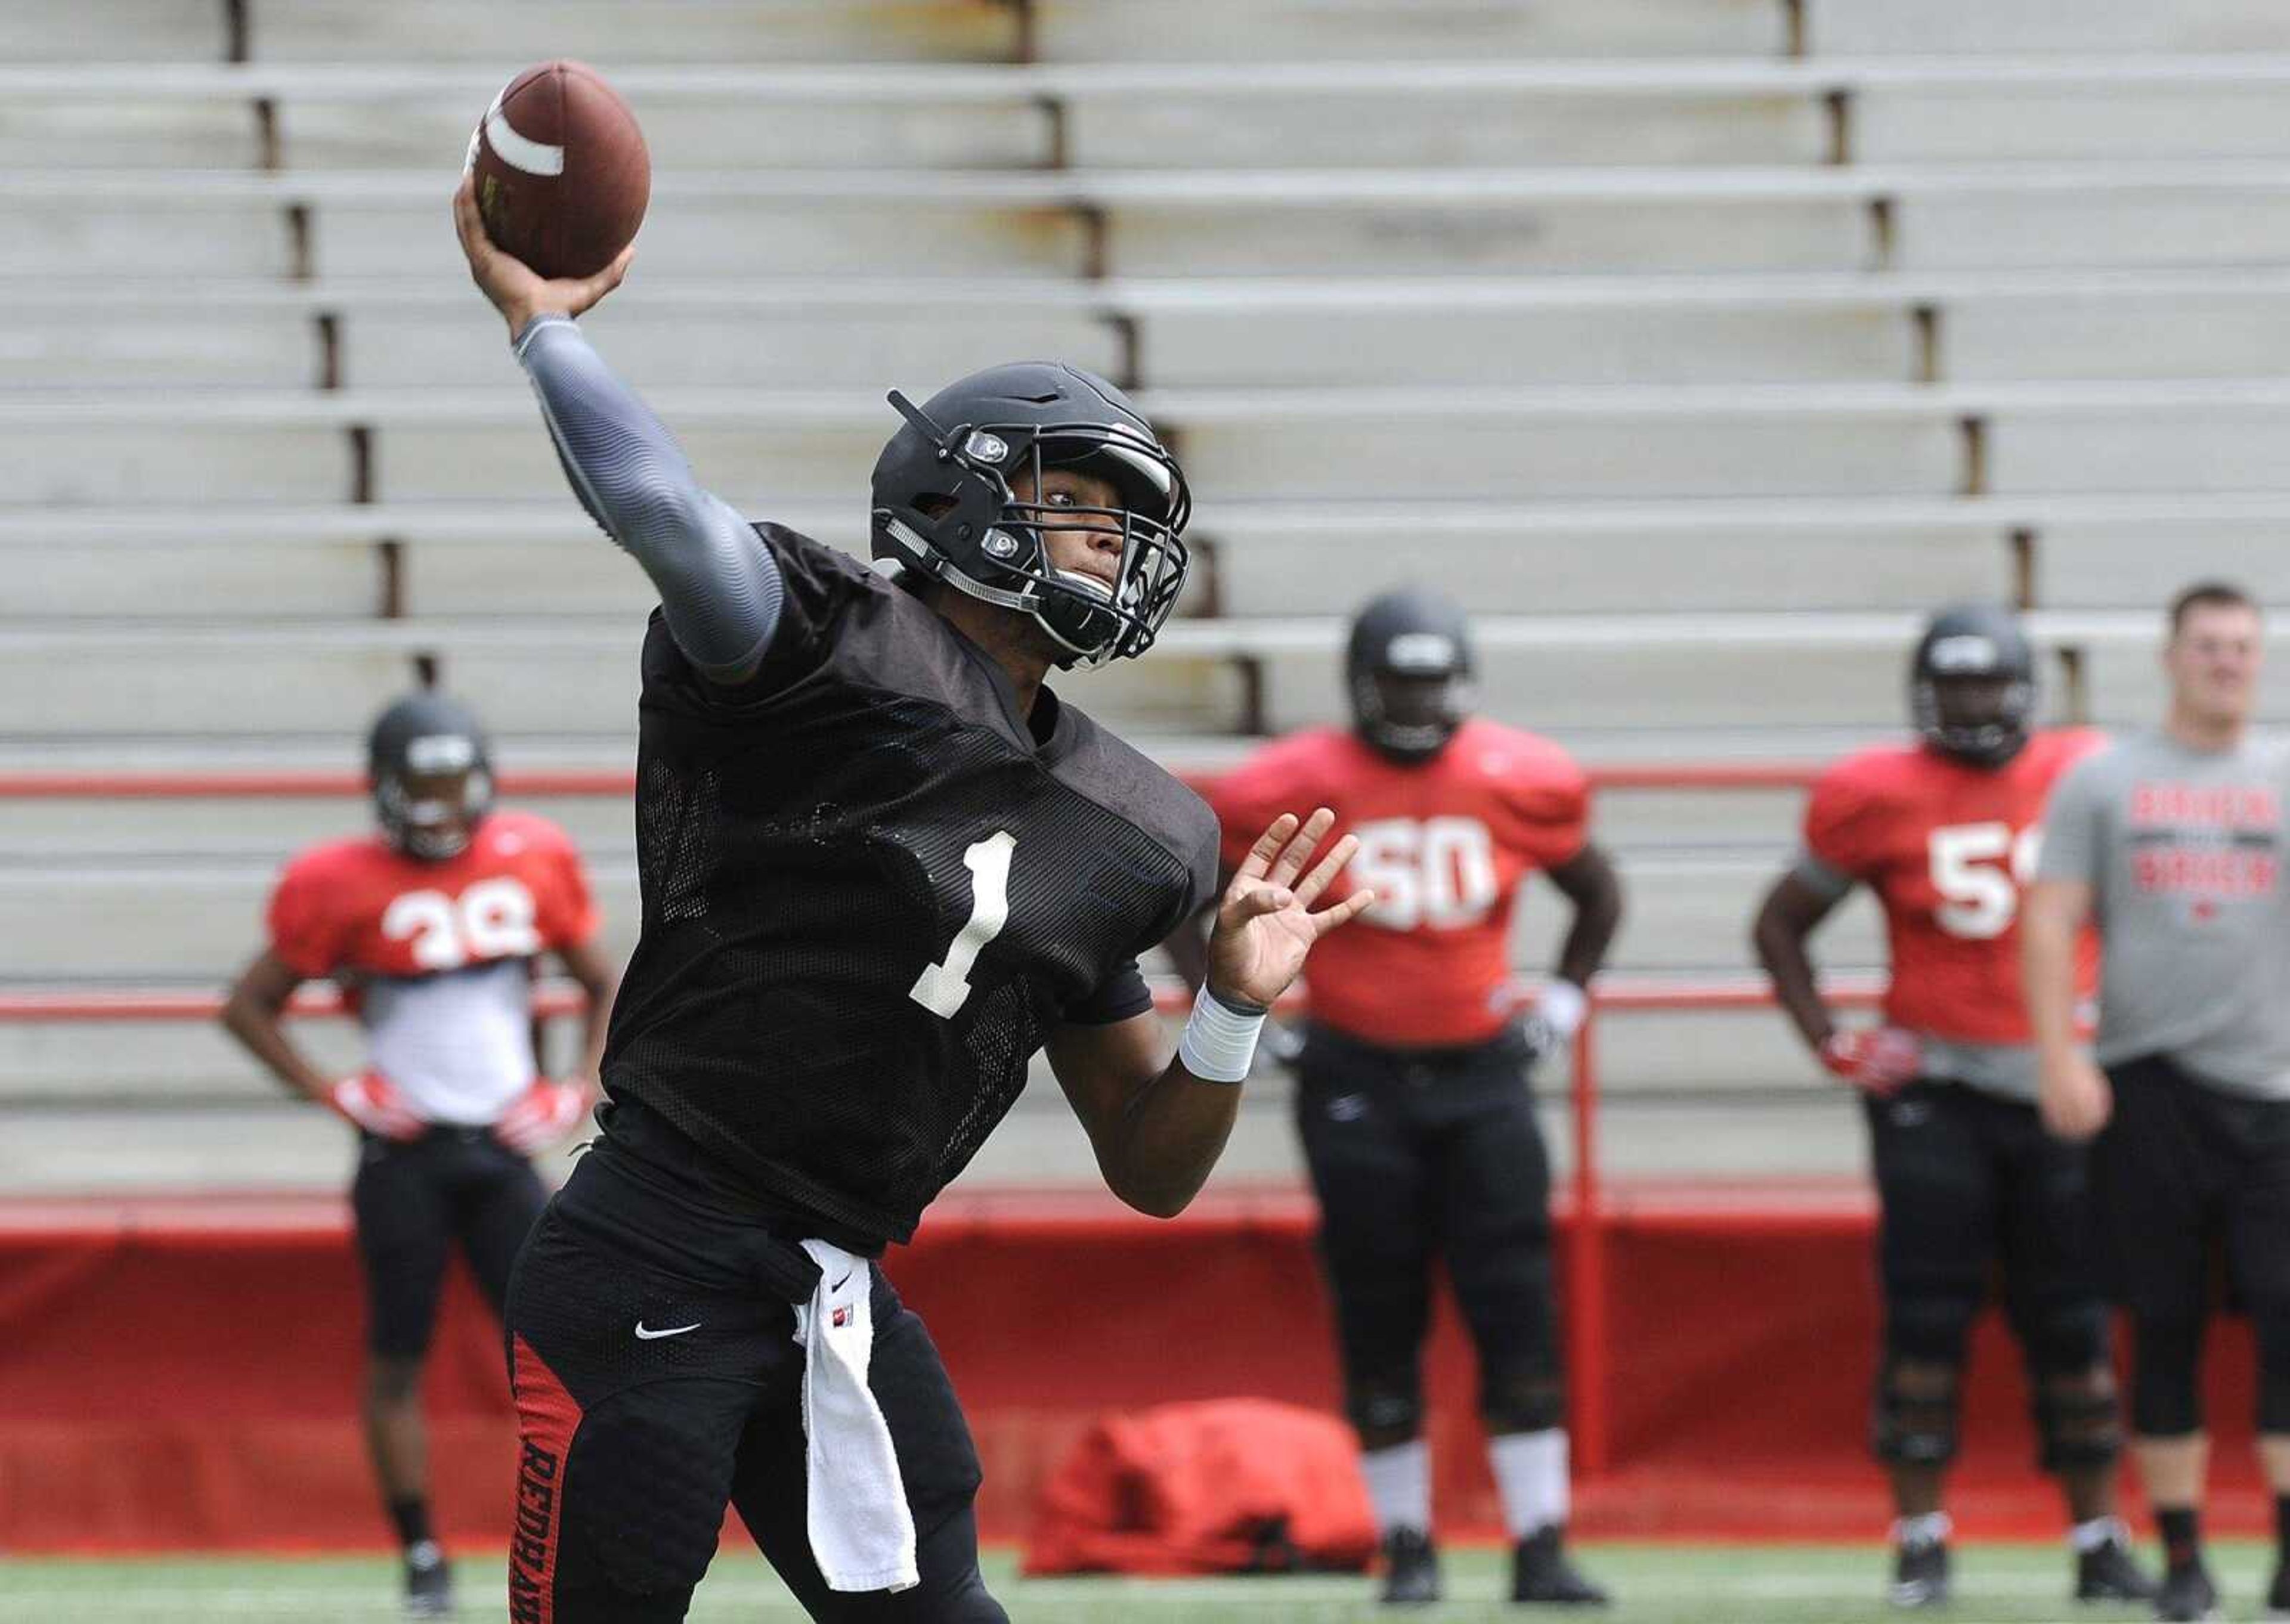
636	1432
2185	1175
413	1203
1969	1184
1422	1155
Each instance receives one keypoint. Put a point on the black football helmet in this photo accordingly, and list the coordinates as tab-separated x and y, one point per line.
1409	669
1972	685
424	737
944	504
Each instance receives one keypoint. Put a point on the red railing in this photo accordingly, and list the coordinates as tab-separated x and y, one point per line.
1588	1285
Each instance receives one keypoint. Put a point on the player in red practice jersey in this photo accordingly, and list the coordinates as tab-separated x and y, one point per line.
432	927
1944	832
1412	1100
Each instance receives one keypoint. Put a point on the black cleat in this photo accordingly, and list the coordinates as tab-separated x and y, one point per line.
1540	1574
1919	1575
2187	1593
1411	1568
2107	1572
428	1582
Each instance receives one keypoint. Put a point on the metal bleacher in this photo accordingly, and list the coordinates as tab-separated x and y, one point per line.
1699	344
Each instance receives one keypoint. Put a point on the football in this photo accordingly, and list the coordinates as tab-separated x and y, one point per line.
562	174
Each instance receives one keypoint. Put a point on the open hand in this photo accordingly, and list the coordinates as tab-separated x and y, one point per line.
517	291
1265	925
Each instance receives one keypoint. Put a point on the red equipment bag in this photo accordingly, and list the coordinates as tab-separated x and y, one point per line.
1228	1486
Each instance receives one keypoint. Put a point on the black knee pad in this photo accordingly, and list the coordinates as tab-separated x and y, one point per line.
2165	1401
1385	1413
1524	1398
1912	1420
2079	1418
2271	1323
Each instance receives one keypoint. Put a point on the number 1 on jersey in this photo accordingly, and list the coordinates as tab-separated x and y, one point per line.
944	987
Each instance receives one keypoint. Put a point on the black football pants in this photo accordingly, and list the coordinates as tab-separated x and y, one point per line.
2188	1177
1970	1186
1419	1157
631	1447
413	1203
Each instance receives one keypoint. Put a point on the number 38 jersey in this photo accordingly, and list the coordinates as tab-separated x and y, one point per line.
872	889
1445	845
435	956
1947	847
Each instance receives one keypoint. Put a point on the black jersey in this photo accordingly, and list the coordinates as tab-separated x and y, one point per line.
870	894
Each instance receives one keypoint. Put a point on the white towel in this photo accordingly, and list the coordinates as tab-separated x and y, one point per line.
862	1535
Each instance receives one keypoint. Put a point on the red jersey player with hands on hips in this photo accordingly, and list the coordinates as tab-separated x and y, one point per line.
1412	1102
1944	832
431	926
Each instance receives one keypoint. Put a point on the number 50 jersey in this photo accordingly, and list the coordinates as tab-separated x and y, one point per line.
1445	845
1946	846
872	889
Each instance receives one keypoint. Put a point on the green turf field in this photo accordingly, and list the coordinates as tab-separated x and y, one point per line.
1996	1584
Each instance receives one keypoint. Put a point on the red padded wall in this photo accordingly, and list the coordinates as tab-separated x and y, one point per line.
184	1374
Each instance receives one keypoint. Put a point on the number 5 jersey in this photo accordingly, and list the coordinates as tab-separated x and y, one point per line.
872	889
436	957
1444	845
1946	846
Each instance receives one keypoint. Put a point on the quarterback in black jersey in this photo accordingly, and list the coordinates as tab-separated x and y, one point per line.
882	865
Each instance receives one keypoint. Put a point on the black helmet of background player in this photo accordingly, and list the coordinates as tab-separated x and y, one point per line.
1409	671
1972	685
946	503
431	772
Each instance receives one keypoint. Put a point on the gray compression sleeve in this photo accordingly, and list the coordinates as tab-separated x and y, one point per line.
719	586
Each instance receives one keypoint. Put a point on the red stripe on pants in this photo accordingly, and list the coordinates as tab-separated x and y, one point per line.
547	1417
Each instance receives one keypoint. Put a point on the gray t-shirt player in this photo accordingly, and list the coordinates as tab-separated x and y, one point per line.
2183	850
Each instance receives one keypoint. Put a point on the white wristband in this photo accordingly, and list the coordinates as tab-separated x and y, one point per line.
1218	1040
1562	1006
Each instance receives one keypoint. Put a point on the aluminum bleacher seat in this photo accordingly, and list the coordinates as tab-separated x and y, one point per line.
2206	215
542	556
1408	121
1963	326
1847	28
912	343
687	125
111	341
2099	561
2143	108
1151	30
612	31
1187	116
1573	558
1411	332
114	31
2206	325
2104	441
124	128
1146	223
1516	445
